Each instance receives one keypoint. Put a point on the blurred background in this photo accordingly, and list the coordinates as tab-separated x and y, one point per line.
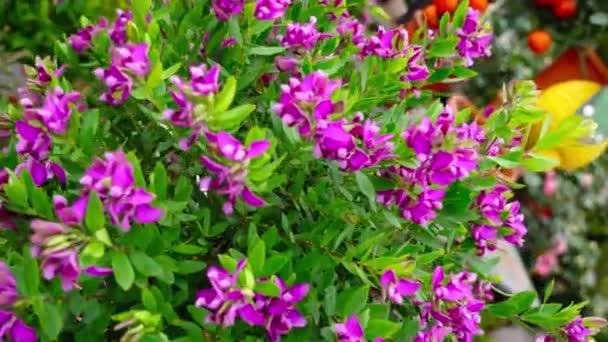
565	211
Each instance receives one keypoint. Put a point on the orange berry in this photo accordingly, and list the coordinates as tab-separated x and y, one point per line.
444	6
539	41
565	9
430	13
480	5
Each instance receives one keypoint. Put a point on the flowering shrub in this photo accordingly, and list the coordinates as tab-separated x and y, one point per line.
212	171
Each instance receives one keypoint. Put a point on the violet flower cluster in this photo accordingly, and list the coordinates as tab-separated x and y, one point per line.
497	213
43	116
225	9
112	178
11	327
445	154
271	9
354	144
395	44
58	245
203	84
474	41
227	301
350	27
302	37
455	307
230	180
395	288
128	59
352	331
82	40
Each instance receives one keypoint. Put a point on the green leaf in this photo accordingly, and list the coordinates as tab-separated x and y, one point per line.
233	118
352	300
381	328
50	318
94	218
548	291
265	50
226	96
439	75
123	271
227	262
274	264
145	264
459	15
367	188
88	131
16	192
444	47
183	189
160	181
268	288
31	275
148	299
190	266
329	301
170	71
139	176
93	251
256	256
140	10
154	77
428	258
539	163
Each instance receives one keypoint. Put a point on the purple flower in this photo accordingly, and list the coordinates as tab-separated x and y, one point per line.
119	85
224	9
576	331
351	331
28	98
205	81
437	332
474	43
304	36
53	244
312	93
133	57
457	288
287	64
225	301
82	40
97	271
393	43
515	221
118	33
271	9
56	110
112	178
280	313
184	116
228	42
14	329
492	204
349	26
32	140
8	286
70	215
230	180
41	170
485	237
396	288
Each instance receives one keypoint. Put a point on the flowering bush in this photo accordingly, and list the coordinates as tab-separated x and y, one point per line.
212	171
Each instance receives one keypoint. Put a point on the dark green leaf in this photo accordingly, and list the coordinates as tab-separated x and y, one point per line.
123	271
352	300
265	50
94	218
145	264
160	181
381	328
